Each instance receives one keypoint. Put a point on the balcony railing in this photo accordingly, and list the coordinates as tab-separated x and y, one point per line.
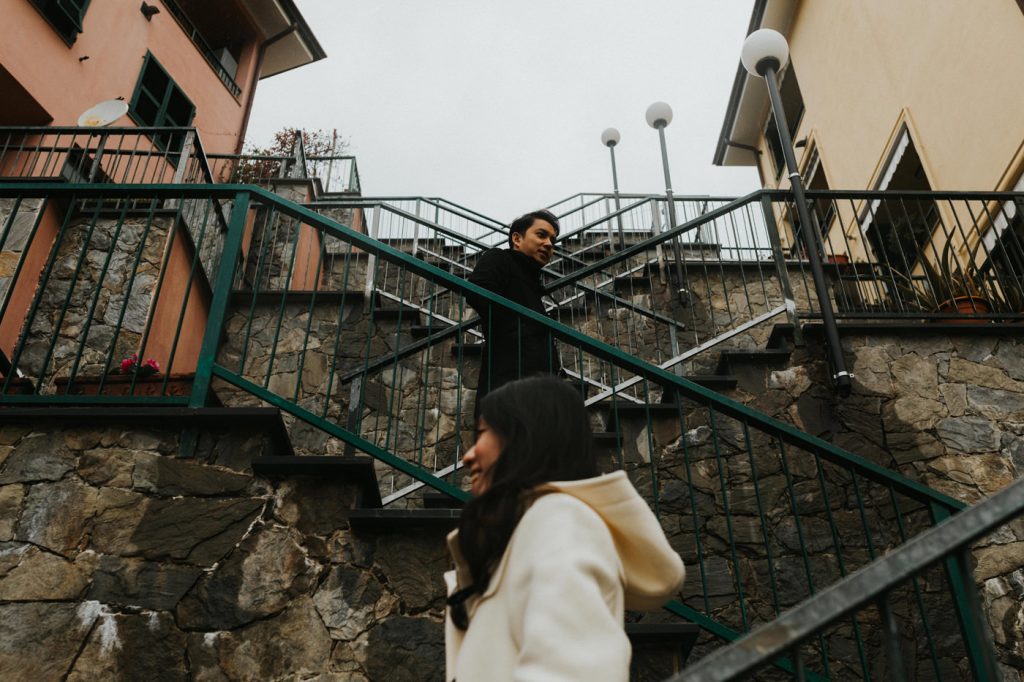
336	174
204	47
107	155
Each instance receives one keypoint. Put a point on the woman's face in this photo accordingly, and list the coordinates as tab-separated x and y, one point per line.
481	458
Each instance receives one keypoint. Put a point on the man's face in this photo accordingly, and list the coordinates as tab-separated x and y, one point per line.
537	242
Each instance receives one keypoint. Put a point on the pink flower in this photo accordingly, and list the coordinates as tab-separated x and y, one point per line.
131	365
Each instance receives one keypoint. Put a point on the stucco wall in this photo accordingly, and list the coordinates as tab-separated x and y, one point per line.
115	41
948	68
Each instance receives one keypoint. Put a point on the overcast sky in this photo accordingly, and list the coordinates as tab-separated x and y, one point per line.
499	104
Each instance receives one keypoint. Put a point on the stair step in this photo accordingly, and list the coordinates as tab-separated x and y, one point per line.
682	635
392	520
355	469
716	382
434	499
578	309
606	438
250	420
625	407
395	312
471	349
765	356
420	331
242	297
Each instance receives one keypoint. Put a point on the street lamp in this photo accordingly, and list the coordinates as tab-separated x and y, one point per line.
610	138
659	115
764	53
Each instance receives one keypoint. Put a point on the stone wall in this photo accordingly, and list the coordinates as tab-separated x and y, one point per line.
942	408
18	227
121	560
102	284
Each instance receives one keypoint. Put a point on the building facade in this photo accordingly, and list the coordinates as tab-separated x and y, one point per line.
176	62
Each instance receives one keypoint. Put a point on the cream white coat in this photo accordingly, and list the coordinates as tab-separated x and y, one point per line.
582	554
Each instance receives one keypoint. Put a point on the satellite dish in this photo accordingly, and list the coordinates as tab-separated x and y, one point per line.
103	114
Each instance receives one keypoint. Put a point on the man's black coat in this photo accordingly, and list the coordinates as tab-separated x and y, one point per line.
516	347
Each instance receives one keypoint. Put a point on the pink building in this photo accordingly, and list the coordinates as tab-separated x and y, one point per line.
176	62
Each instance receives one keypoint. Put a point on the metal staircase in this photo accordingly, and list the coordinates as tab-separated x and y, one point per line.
368	350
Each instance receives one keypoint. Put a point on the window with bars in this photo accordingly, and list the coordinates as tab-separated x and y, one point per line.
159	102
66	16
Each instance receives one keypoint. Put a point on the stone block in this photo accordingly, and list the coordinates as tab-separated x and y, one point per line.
140	583
405	649
39	640
38	457
969	434
57	516
30	574
11	498
351	601
133	646
196	530
260	578
293	645
168	476
413	567
107	466
996	404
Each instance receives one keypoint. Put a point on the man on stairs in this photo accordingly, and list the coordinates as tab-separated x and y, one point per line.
516	347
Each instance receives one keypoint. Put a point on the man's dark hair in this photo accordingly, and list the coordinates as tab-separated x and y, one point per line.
522	223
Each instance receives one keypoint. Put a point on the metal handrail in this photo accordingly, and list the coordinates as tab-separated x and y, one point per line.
18	151
732	426
946	541
686	388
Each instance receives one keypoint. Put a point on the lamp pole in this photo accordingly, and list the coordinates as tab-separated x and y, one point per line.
765	52
659	115
610	138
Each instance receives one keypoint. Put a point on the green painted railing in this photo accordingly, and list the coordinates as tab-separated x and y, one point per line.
764	514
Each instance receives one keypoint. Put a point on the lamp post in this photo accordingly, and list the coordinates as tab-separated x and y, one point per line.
764	53
659	115
610	138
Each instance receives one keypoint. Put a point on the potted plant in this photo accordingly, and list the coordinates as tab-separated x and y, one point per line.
131	377
953	287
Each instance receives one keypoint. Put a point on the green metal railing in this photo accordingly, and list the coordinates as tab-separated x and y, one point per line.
133	155
763	514
867	595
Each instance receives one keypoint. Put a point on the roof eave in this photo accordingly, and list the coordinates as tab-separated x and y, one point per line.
746	100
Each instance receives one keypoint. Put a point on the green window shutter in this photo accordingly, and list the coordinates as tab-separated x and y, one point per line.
66	16
73	11
158	102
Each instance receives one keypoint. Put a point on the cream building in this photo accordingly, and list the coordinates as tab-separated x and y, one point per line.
900	96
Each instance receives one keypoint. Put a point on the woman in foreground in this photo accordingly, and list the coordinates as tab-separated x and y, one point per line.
548	554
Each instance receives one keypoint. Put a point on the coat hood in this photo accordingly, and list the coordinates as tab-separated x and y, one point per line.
652	570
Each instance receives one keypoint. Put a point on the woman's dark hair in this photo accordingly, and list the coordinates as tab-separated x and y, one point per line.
546	433
521	224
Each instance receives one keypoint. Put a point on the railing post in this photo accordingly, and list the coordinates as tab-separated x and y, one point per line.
219	305
299	151
371	260
658	249
416	229
184	157
95	169
780	266
973	626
